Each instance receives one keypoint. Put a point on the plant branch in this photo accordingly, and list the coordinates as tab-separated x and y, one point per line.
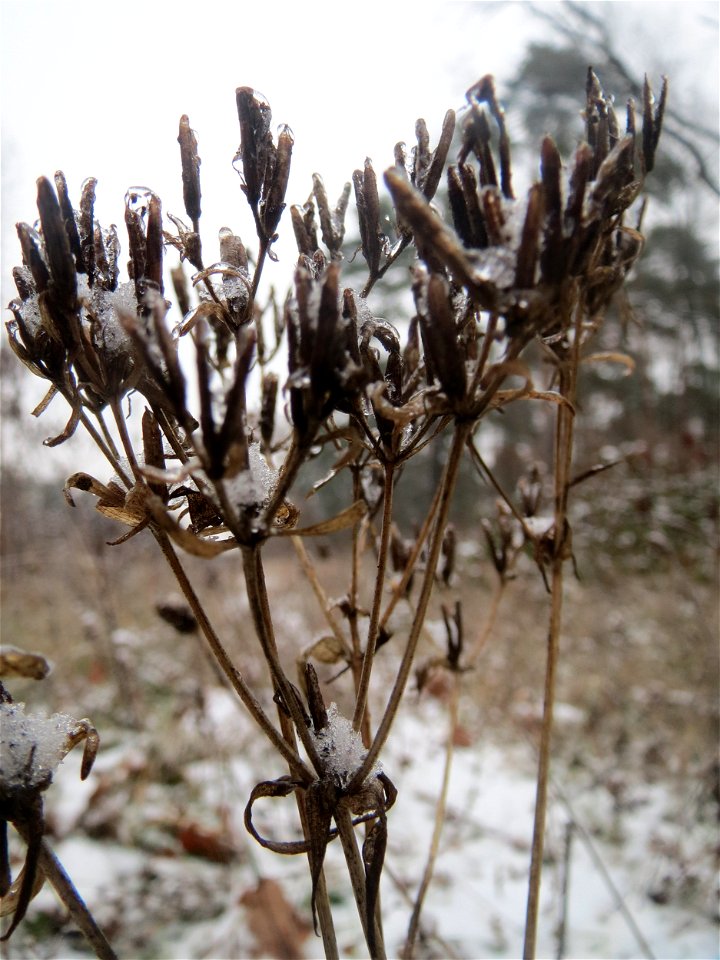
66	890
447	487
373	628
563	460
226	665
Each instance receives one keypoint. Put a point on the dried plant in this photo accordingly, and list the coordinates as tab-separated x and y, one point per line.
219	476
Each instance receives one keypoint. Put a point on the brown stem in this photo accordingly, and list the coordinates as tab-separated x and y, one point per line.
399	590
563	459
343	819
317	588
373	628
66	890
221	655
448	481
260	610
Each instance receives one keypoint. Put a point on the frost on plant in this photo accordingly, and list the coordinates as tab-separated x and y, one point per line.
341	748
31	747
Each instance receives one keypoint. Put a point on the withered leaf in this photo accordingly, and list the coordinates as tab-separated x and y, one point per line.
15	662
276	926
328	649
341	521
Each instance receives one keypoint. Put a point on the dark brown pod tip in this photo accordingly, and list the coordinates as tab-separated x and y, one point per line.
57	246
190	170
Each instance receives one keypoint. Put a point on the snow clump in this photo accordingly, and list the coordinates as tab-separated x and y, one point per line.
341	748
31	747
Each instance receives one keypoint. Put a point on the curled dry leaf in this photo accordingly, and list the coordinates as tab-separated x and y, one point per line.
15	662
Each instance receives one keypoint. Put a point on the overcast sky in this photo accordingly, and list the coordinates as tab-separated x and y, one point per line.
97	89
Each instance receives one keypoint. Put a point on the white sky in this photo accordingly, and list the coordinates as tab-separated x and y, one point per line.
97	89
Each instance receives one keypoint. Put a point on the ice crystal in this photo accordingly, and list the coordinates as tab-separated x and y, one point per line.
341	748
255	485
31	747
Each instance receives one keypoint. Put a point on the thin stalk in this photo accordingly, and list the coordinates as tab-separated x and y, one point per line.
356	870
565	892
399	590
110	453
66	890
236	679
447	486
260	607
490	620
400	246
373	628
125	439
260	610
563	460
440	810
106	434
317	588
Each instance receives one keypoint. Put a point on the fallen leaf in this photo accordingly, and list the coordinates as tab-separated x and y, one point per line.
278	929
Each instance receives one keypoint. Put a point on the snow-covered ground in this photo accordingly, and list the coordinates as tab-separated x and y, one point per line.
641	877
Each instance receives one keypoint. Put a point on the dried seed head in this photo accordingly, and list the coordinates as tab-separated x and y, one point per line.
368	208
275	184
441	339
87	228
68	215
190	170
255	117
63	286
267	408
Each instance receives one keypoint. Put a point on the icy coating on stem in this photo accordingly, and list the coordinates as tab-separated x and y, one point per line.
31	747
341	748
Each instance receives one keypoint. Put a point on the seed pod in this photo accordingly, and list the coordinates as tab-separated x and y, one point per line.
182	295
368	207
552	263
137	245
190	170
530	240
332	223
153	450
255	117
428	184
652	123
23	282
273	203
154	244
68	215
87	228
57	247
484	91
449	547
267	408
316	703
33	258
233	433
303	222
440	335
465	206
